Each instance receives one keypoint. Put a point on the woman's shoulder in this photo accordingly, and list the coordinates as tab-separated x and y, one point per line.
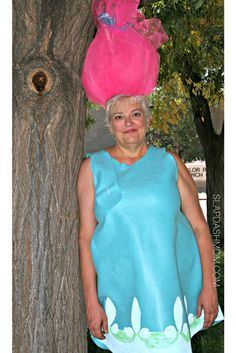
85	173
177	159
182	169
89	154
91	160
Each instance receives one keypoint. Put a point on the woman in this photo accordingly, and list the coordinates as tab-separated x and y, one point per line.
146	254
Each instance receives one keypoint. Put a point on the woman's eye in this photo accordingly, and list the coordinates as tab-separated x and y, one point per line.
118	117
137	114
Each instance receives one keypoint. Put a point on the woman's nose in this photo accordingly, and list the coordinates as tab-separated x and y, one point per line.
128	120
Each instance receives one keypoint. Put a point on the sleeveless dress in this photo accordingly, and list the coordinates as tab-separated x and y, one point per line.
145	254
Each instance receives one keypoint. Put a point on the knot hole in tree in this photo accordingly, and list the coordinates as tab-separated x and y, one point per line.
40	81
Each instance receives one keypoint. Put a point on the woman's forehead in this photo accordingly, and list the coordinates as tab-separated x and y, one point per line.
126	104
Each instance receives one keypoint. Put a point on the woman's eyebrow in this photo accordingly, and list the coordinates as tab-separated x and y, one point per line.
134	110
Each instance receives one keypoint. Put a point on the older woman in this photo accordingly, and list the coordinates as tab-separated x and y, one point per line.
146	254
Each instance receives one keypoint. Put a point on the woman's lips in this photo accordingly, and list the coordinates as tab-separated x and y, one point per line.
132	130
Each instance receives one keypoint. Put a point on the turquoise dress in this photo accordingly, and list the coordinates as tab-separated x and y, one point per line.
146	257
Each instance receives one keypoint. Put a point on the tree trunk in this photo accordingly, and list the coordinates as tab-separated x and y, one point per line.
50	42
213	146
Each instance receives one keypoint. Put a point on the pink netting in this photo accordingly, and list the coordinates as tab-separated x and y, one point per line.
122	58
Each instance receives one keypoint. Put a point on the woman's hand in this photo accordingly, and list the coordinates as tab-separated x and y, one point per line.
208	300
97	320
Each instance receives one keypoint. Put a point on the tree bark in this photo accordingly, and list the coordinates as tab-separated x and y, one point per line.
213	146
50	42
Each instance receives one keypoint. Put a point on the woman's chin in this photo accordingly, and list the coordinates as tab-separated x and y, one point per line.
132	136
132	140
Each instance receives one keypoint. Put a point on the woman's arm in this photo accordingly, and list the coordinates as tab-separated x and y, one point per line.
192	210
95	313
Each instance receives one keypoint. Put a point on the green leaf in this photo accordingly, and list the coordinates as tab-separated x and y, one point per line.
198	4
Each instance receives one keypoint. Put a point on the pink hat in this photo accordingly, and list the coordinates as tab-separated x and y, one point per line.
122	58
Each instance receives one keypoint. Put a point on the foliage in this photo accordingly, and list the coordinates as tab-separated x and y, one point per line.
89	119
169	107
193	57
171	119
181	139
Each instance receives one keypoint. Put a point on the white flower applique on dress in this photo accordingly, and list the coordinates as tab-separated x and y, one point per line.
140	340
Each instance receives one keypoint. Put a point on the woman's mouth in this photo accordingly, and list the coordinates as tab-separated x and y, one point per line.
131	130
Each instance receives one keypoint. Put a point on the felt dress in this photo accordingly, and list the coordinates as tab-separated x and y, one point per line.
146	257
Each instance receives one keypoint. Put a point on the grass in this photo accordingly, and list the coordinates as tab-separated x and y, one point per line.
207	341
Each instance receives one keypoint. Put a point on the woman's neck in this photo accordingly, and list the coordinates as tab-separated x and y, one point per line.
131	152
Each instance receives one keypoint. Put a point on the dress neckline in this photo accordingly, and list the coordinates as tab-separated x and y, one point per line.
125	164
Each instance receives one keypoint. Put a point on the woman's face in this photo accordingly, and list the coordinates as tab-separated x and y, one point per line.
128	124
